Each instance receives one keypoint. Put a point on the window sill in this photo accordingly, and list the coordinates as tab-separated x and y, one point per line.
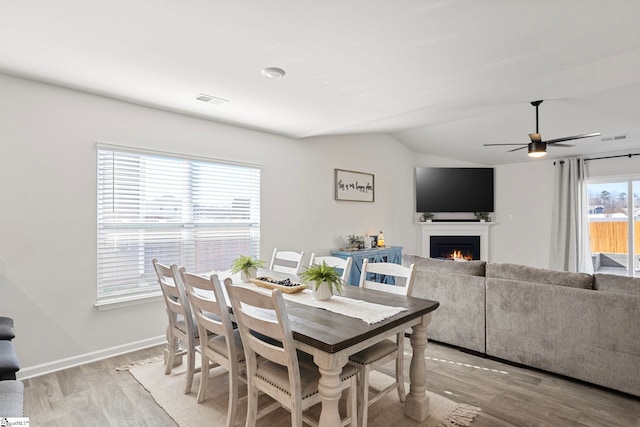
122	302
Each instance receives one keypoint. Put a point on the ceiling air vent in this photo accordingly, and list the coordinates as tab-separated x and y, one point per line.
615	138
211	99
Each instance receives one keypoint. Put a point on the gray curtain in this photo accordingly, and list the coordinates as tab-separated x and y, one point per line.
570	248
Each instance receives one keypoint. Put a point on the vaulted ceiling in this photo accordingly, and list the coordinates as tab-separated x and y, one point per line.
443	77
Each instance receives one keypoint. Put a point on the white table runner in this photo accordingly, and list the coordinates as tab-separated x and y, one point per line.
366	311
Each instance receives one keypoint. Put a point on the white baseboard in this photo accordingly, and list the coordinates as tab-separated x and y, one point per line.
57	365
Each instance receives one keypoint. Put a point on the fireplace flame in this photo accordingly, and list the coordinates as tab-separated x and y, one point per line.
457	255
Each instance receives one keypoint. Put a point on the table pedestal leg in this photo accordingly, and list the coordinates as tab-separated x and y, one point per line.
417	403
329	390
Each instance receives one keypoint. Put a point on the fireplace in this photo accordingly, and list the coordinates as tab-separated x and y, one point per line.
476	230
456	248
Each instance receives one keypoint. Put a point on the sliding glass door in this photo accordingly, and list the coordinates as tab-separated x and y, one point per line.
614	226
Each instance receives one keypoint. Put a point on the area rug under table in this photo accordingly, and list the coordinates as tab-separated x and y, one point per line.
168	392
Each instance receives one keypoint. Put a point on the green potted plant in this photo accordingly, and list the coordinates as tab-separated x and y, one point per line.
426	217
482	216
247	266
325	279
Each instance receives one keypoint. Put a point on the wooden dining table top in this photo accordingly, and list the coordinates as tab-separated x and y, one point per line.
332	332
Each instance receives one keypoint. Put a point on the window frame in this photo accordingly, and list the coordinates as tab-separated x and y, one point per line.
193	226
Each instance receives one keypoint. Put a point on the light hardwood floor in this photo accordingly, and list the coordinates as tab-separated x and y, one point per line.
96	394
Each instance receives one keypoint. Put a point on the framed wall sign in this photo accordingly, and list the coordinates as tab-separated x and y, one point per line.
354	186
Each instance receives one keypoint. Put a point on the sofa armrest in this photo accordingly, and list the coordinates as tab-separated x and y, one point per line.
586	334
460	318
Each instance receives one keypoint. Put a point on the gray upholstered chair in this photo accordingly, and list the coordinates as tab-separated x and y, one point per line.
12	399
9	364
380	353
289	377
6	328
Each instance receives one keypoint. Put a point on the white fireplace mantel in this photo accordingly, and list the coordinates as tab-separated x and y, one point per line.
456	229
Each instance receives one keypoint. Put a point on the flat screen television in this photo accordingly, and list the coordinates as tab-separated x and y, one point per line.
454	189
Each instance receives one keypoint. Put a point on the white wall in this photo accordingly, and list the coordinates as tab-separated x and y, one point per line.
524	196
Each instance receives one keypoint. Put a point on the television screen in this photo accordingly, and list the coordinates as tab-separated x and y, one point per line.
454	189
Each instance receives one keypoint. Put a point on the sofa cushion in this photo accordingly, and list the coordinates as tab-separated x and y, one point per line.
616	284
9	364
6	328
524	273
469	268
12	399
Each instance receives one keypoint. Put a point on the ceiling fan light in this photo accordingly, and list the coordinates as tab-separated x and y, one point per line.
537	149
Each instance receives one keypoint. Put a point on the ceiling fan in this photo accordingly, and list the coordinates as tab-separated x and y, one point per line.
537	147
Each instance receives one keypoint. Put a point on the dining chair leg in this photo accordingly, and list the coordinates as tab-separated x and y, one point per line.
296	415
204	378
363	395
400	368
233	397
252	404
191	367
352	401
172	344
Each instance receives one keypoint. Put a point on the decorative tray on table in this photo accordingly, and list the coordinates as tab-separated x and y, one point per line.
285	285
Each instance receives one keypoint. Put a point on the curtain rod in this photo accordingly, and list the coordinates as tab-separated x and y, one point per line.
630	155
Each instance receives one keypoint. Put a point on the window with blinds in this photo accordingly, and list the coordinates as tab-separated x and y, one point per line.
195	213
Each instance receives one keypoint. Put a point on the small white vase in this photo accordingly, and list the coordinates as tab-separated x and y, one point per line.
250	274
323	292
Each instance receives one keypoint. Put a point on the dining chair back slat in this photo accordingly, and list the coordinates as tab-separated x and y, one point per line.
403	277
288	262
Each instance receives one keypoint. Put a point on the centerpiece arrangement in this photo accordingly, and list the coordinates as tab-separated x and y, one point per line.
325	279
247	266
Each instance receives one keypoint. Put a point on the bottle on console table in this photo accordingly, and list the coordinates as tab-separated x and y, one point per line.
381	240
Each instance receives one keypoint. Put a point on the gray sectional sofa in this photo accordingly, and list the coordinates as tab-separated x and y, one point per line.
579	325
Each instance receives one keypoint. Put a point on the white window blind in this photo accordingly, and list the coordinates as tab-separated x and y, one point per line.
195	213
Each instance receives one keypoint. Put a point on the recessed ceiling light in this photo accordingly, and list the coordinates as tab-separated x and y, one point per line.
211	99
273	72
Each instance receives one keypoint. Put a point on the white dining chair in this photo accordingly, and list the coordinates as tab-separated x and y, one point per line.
182	327
380	353
288	262
223	347
288	376
334	261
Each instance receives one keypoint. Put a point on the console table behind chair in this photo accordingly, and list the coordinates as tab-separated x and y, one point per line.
389	254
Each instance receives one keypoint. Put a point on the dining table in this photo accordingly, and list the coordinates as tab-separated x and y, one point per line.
334	332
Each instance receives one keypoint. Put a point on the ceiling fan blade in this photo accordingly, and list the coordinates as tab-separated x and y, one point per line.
563	145
490	145
570	138
516	149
